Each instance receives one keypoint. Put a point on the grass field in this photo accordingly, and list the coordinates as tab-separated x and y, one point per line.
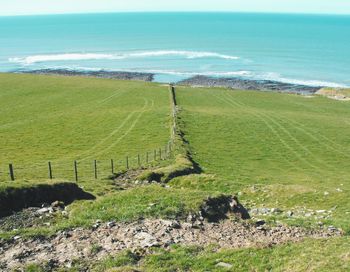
46	118
295	150
273	150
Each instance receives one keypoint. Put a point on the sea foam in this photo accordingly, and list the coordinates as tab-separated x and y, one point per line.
98	56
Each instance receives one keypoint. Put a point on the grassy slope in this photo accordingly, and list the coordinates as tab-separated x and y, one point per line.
42	129
64	119
306	256
294	149
289	146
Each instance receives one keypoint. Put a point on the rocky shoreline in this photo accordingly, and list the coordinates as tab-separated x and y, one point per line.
196	81
247	84
99	74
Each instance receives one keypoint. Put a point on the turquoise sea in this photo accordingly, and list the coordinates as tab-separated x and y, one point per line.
305	49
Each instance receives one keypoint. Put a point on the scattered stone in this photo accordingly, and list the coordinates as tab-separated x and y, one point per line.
140	236
111	224
65	213
260	223
326	193
58	205
44	210
146	240
320	211
276	210
17	237
289	213
224	265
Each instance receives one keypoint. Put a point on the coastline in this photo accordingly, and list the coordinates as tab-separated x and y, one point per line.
249	84
99	74
195	81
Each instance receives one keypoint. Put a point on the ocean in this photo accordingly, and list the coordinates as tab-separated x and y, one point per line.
312	50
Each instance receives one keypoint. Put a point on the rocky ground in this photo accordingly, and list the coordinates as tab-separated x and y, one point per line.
221	220
104	239
100	74
245	84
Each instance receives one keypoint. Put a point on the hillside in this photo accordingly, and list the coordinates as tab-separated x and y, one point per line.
48	118
282	155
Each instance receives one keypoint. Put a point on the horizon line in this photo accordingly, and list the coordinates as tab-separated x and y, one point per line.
179	11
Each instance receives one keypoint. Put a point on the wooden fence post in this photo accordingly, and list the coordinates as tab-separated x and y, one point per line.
112	166
127	162
12	175
160	154
76	170
95	168
50	170
139	160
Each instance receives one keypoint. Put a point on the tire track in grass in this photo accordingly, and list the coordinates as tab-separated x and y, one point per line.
233	103
292	137
312	134
110	135
263	117
57	115
277	134
309	134
131	127
296	141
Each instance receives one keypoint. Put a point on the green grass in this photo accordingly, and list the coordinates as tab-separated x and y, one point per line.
62	119
310	255
292	148
274	150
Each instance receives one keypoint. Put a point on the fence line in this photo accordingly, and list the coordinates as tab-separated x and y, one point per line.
96	168
81	169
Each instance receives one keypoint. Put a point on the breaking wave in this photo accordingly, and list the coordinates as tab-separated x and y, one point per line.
98	56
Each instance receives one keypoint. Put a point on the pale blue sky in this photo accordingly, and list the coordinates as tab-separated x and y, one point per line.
19	7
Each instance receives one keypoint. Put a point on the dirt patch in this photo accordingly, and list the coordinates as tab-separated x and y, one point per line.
34	217
111	238
14	199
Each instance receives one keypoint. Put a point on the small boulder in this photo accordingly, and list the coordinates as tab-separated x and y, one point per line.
57	205
224	265
218	208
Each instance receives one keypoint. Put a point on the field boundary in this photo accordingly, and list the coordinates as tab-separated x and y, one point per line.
184	164
90	168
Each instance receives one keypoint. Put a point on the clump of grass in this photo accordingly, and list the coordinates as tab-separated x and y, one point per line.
308	255
146	201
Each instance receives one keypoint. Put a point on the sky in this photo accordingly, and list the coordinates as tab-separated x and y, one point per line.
30	7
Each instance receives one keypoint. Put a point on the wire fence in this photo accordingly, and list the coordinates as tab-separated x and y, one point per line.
84	169
92	169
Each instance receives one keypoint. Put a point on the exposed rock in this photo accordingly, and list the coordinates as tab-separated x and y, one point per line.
44	210
247	84
289	213
218	208
224	265
67	246
57	205
100	74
